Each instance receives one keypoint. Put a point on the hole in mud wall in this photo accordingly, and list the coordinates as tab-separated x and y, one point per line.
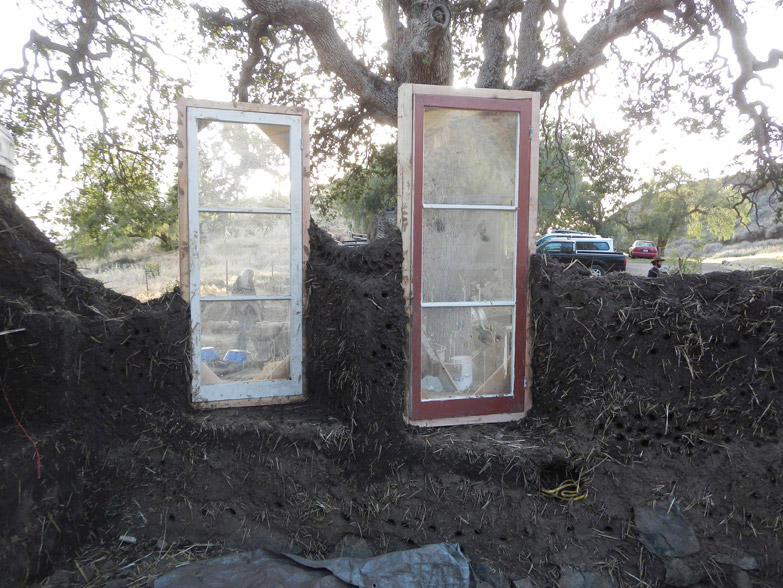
355	327
554	473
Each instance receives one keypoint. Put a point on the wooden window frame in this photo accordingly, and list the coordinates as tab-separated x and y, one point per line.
413	99
261	392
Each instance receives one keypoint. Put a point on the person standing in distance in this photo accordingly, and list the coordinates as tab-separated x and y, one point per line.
655	270
247	313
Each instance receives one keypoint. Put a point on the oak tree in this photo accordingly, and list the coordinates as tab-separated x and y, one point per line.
674	202
322	54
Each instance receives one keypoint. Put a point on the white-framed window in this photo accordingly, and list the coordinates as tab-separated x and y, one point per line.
243	199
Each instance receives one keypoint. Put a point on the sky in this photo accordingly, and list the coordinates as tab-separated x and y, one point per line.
666	146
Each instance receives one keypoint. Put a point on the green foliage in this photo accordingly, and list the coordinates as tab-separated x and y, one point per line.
364	191
674	202
583	177
152	269
49	222
119	199
171	286
689	264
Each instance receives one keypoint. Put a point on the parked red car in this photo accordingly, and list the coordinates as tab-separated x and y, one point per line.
642	249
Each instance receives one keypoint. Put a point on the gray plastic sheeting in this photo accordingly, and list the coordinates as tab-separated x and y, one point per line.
432	566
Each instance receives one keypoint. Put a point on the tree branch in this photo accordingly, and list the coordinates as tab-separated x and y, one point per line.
529	71
395	32
258	29
588	53
492	72
380	96
767	134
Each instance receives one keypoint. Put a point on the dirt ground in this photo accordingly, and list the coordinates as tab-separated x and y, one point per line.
653	396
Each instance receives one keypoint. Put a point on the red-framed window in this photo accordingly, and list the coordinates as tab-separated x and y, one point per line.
469	214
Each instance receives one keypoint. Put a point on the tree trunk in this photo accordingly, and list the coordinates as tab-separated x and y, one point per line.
419	53
426	56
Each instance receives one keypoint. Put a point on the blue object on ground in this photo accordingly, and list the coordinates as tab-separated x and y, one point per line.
236	356
208	354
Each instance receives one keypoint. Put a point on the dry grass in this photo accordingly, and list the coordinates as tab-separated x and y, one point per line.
747	255
143	271
765	247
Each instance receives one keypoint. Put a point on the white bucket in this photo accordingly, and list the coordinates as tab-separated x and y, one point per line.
463	378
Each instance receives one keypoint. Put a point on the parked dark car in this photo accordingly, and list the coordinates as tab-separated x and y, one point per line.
642	248
591	254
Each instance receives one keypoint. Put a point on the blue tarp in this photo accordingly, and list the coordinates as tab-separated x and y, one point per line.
432	566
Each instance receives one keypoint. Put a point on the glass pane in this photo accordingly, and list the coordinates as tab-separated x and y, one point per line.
256	246
467	255
243	165
244	340
466	352
469	157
